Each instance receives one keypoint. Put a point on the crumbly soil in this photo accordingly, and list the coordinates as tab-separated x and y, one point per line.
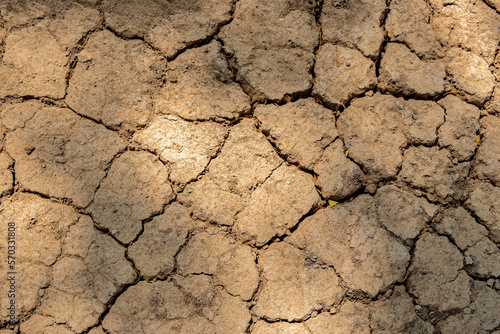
250	166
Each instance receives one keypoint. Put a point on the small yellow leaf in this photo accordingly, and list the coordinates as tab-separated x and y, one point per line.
478	139
332	203
347	153
256	123
138	277
74	62
420	146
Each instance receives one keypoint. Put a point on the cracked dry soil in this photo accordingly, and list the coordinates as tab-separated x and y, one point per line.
250	166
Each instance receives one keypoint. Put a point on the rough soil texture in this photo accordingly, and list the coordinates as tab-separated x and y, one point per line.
250	166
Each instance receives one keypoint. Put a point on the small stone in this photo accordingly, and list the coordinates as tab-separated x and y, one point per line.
84	57
371	188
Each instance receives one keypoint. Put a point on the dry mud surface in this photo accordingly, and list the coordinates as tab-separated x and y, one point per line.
249	166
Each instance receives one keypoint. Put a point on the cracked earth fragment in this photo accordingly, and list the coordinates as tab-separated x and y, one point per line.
35	61
338	177
185	147
153	253
347	237
276	206
200	86
300	130
135	189
74	269
40	71
272	44
341	74
231	264
58	153
434	171
480	317
403	213
487	160
165	308
470	76
397	315
408	22
436	276
102	90
458	133
471	25
484	201
356	24
246	161
482	256
294	285
262	327
403	73
352	318
376	128
169	26
6	177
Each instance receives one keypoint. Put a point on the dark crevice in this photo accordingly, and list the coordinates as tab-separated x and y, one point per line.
58	200
99	122
73	55
106	171
385	41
